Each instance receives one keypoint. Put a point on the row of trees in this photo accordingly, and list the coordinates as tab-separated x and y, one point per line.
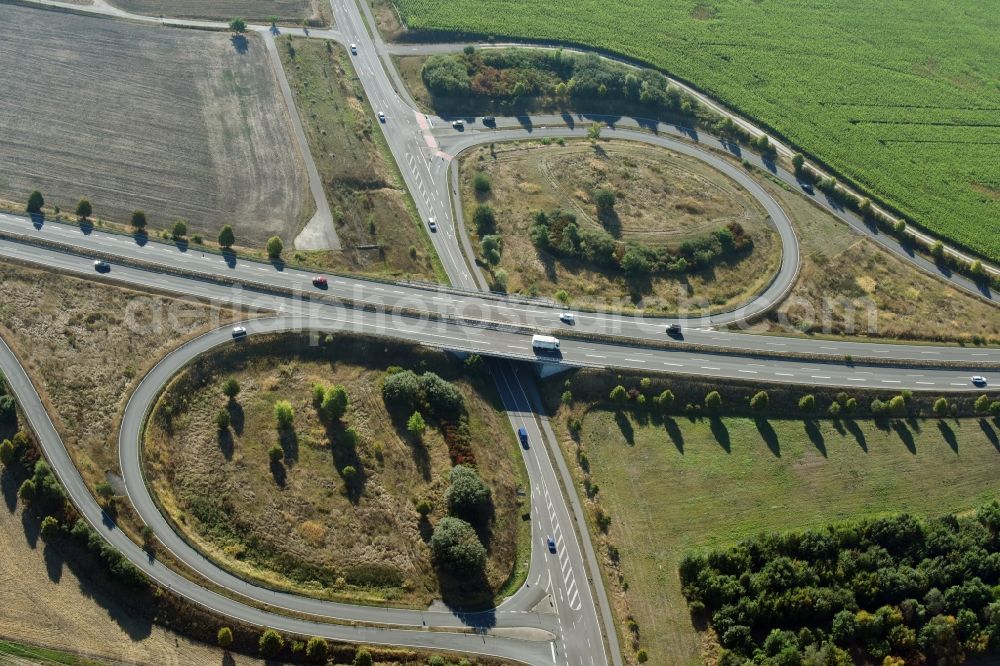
558	233
455	543
891	590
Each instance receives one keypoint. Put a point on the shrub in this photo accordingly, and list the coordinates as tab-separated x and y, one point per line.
317	648
84	209
605	200
995	408
940	407
485	220
138	220
222	419
468	495
284	415
231	388
8	410
834	409
713	400
401	391
424	507
49	527
807	403
456	547
180	229
618	394
798	160
481	183
274	248
276	453
442	397
982	404
8	455
226	237
566	398
896	405
760	401
271	643
225	637
363	658
334	403
27	491
665	400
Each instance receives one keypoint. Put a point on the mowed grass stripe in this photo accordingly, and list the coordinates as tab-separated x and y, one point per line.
805	69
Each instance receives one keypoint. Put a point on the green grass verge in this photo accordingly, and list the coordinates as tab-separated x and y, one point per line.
687	485
43	655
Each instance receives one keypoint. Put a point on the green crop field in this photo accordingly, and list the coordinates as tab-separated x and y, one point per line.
901	97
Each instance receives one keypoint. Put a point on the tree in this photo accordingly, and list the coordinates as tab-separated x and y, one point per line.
455	546
605	200
225	637
271	643
618	394
226	237
27	490
424	507
363	658
84	209
468	495
334	403
317	649
8	410
416	426
594	132
401	391
937	250
566	398
35	202
760	401
982	404
995	408
713	400
350	472
222	419
485	220
138	220
49	527
7	453
275	453
834	409
231	388
274	247
940	407
798	161
897	405
238	26
500	280
284	415
481	183
807	403
635	263
180	229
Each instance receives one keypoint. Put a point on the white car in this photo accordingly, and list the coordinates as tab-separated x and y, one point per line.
432	225
239	332
354	49
567	318
979	380
381	117
458	124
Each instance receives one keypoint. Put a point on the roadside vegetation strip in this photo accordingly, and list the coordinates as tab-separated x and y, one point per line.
797	93
650	475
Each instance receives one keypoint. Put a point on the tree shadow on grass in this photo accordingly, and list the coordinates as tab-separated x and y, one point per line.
421	457
289	441
674	433
240	43
816	436
984	425
279	473
721	433
769	436
236	416
8	486
469	591
53	562
345	454
226	444
858	434
905	436
625	426
948	434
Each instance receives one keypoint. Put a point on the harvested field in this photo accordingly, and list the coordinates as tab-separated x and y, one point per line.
84	344
304	524
252	10
663	200
178	123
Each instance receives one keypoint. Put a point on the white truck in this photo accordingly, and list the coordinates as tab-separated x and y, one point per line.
545	343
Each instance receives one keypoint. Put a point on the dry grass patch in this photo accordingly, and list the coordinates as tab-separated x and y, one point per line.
844	275
253	10
376	221
663	199
85	344
300	523
178	123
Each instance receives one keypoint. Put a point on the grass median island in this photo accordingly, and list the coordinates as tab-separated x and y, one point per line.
312	478
626	201
925	145
375	218
661	487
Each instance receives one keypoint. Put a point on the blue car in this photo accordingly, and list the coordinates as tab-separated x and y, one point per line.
552	545
522	435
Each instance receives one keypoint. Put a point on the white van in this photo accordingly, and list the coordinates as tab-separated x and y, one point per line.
545	343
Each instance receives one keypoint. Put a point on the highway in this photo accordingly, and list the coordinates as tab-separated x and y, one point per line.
562	615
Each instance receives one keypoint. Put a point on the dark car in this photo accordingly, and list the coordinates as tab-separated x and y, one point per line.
807	188
522	435
101	266
674	330
552	545
489	121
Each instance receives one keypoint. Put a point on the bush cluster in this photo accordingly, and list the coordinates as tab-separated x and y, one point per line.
558	233
405	391
888	590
